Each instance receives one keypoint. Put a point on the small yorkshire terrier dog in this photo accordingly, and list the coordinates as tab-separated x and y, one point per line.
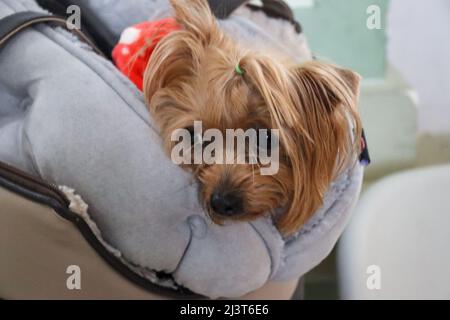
197	73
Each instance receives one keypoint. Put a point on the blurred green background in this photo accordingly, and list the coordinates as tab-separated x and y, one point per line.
405	92
337	30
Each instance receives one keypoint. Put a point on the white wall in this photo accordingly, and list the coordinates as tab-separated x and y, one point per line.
419	46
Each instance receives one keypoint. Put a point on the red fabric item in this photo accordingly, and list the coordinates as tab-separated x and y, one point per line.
136	45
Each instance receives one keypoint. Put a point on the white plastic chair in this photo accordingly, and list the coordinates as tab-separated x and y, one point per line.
397	245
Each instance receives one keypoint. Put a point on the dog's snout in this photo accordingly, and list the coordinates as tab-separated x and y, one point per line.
226	203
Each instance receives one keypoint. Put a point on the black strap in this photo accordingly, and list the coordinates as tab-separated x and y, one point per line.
278	9
103	34
17	22
364	157
222	9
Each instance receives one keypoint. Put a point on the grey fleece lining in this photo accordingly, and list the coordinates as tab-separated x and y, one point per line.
80	207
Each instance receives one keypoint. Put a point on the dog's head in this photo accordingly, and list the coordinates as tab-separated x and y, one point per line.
199	75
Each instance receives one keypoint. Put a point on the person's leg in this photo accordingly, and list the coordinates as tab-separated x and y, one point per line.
274	291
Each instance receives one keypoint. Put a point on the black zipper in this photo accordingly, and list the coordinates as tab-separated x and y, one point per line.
40	191
33	183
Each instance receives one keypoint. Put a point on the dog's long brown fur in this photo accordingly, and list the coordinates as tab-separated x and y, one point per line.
191	76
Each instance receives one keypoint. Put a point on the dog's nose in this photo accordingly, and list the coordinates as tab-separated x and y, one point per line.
226	203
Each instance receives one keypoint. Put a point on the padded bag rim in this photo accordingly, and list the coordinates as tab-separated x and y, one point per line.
37	190
15	23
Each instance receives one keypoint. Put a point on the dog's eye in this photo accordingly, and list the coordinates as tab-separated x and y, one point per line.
265	140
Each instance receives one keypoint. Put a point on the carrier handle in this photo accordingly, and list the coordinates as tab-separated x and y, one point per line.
223	9
278	9
17	22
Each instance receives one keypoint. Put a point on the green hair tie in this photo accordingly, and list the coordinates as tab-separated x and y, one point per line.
239	70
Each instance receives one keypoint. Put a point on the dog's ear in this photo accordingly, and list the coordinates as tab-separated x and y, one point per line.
351	79
196	17
326	99
323	84
175	56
